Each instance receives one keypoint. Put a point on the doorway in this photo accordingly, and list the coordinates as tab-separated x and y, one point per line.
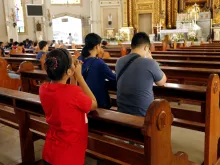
145	23
62	26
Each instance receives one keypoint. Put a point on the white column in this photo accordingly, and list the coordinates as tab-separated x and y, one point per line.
10	19
95	16
48	20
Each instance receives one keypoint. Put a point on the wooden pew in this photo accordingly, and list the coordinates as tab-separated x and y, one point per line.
198	50
175	57
171	92
16	61
5	80
187	52
190	64
187	119
189	57
153	131
23	55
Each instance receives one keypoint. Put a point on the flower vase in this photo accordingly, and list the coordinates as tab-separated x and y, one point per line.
192	43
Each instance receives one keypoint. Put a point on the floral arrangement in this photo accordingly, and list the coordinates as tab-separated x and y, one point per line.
177	37
192	36
123	36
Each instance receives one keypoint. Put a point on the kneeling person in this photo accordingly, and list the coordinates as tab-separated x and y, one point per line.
136	74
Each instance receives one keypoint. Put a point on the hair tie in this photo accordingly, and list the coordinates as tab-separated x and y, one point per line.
51	63
56	63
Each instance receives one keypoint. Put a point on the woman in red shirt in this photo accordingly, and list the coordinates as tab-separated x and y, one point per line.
66	107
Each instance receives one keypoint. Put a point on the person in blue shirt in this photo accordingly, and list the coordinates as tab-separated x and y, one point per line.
43	49
96	73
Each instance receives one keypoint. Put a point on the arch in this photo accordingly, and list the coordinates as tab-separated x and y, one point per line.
62	28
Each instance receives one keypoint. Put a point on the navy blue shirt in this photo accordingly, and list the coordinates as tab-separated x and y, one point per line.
39	55
96	78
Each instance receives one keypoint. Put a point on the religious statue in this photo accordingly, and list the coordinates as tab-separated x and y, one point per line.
39	26
110	19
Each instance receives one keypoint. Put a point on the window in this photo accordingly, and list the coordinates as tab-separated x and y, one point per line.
19	14
65	2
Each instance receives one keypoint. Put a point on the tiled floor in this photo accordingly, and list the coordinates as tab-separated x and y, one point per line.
10	147
191	142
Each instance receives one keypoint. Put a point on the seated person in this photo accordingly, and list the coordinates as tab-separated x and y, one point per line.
2	51
21	47
135	83
15	45
104	44
66	107
31	45
53	43
96	71
43	49
27	43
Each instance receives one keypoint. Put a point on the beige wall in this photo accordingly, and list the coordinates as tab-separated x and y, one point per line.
77	10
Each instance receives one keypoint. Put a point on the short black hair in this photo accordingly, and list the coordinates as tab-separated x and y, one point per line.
140	39
42	44
104	43
1	43
15	43
35	43
57	62
91	41
70	34
21	44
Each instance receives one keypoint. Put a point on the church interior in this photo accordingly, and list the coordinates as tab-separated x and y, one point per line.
181	124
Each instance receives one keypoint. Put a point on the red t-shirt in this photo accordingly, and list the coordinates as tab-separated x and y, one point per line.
66	108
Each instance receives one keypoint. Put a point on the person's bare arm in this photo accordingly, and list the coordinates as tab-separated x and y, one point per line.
162	81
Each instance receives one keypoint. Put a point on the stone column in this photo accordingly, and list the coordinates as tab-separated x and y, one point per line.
125	13
169	13
10	19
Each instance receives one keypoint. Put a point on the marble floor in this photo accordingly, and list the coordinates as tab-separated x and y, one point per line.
191	142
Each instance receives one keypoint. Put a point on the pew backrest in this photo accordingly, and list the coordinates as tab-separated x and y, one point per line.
5	80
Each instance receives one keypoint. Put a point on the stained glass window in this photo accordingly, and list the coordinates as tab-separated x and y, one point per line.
19	14
65	2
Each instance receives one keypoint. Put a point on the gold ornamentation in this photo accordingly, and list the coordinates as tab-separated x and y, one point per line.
125	20
169	14
148	6
174	14
130	13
